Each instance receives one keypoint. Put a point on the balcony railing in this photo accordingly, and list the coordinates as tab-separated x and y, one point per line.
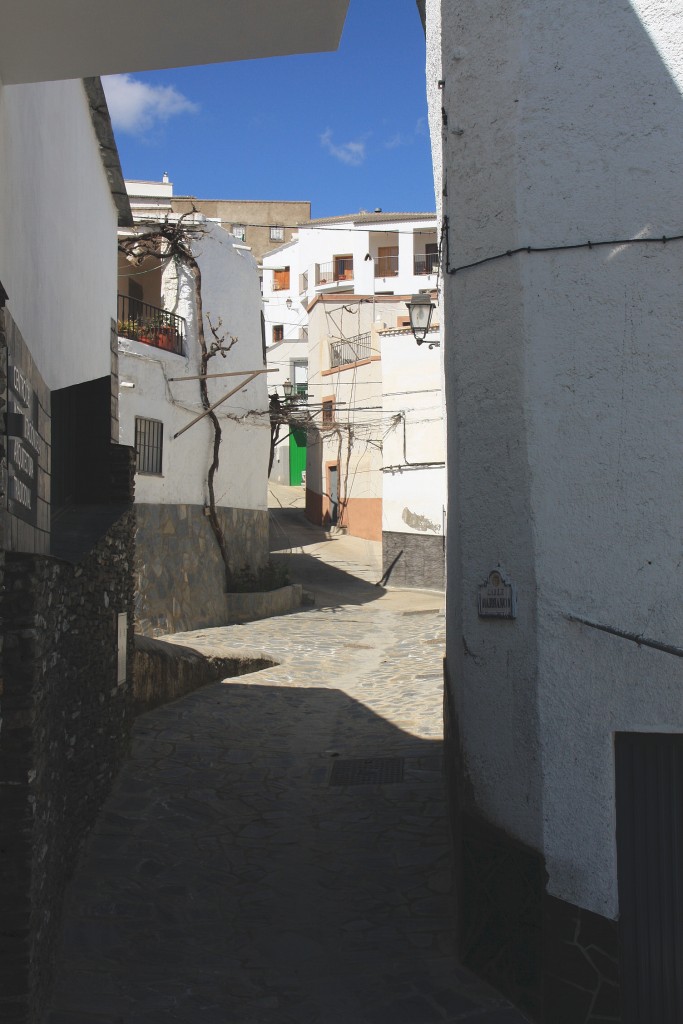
351	350
340	269
151	325
386	266
426	263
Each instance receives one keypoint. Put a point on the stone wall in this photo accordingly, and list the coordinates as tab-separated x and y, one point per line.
30	532
64	732
180	581
167	671
413	560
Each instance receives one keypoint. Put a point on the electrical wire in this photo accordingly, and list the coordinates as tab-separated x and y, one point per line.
555	248
350	226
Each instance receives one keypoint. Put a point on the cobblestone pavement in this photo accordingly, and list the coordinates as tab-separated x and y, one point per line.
276	850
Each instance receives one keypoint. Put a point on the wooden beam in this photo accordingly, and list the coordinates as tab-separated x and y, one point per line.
230	373
220	401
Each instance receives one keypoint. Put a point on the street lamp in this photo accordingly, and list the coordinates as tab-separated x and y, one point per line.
288	388
420	309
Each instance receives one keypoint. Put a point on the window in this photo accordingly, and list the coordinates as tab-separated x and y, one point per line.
343	268
278	332
240	231
328	412
277	233
299	374
149	440
281	279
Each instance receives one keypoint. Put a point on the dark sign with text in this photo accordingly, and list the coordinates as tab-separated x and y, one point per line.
23	448
497	597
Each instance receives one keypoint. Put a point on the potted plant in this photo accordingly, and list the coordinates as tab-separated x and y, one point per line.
165	333
128	329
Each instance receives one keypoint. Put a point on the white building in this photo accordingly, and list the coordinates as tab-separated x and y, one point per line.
558	151
181	579
374	467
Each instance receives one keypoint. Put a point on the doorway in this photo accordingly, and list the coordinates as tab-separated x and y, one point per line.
333	491
649	799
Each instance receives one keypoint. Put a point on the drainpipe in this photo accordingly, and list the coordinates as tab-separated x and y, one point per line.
406	464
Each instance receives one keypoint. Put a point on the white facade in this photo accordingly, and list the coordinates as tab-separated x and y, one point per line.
413	452
230	292
561	124
365	254
346	282
61	283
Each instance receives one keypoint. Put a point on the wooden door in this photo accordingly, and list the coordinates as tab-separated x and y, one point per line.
649	797
297	457
387	261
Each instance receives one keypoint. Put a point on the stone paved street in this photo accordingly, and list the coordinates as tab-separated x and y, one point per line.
249	868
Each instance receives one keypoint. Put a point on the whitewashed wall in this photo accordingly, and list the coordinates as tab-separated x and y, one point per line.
281	357
275	311
57	230
322	244
230	291
565	426
414	485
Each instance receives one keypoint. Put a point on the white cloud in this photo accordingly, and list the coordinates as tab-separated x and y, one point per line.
137	107
352	153
403	139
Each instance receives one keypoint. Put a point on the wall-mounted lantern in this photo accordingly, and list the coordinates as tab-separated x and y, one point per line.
420	309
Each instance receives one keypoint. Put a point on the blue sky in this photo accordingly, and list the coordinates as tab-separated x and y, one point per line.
347	130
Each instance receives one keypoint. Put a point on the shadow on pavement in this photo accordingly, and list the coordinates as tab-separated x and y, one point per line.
230	878
348	582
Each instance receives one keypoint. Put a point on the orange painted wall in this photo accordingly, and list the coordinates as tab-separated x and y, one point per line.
363	517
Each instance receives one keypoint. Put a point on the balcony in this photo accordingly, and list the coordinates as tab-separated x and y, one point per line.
340	269
351	350
425	263
151	325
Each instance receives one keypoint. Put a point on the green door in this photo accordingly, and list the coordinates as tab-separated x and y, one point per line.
297	456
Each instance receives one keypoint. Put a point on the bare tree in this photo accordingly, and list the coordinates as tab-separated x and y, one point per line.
172	240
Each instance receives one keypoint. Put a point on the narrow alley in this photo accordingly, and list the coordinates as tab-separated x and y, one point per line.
276	849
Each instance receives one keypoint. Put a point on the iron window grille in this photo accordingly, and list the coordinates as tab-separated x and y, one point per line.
277	233
149	443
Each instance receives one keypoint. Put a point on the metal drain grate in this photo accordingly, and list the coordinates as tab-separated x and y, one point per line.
367	771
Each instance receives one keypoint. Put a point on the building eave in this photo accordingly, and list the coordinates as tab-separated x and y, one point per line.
46	40
109	153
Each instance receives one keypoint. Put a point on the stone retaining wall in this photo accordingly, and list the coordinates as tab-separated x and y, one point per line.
165	672
180	581
263	604
414	560
64	733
